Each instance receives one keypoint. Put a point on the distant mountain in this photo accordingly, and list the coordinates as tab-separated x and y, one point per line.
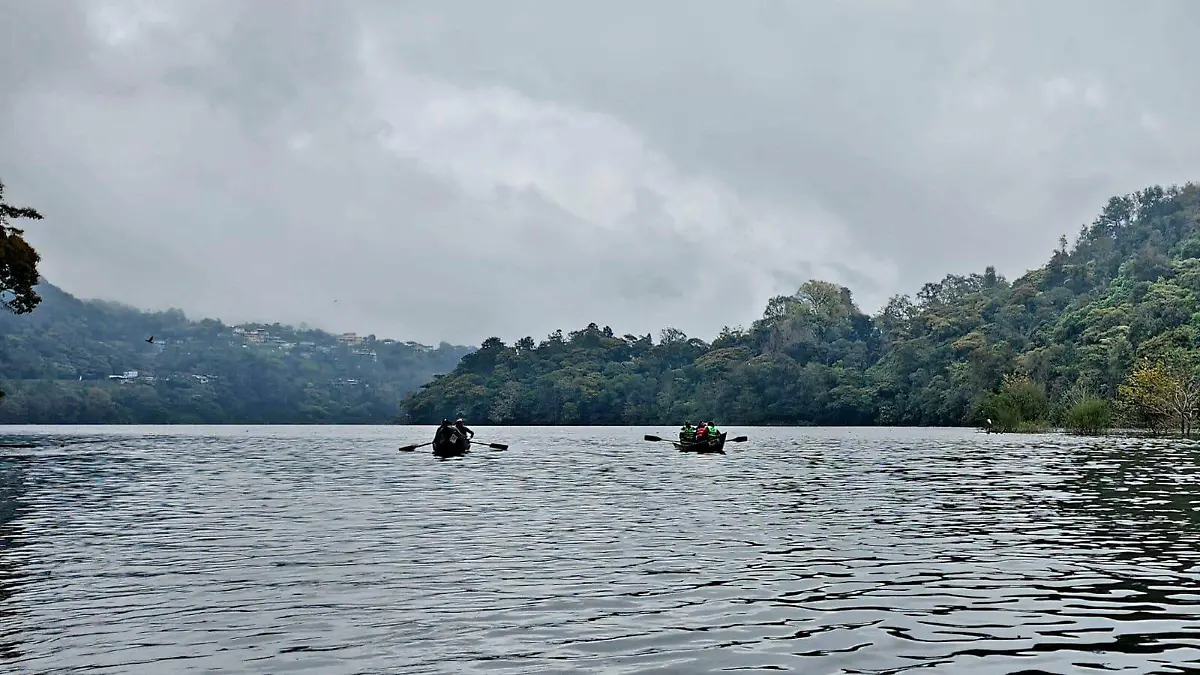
82	362
968	348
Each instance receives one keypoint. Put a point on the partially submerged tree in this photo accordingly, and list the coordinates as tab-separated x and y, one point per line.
1163	392
1020	405
1089	417
1085	412
18	260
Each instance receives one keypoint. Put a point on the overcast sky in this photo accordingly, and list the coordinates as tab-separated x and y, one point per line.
459	169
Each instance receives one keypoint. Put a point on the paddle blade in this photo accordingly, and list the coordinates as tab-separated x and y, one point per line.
497	446
653	439
739	439
408	448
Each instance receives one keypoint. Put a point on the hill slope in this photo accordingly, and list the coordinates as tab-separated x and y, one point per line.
73	361
1074	327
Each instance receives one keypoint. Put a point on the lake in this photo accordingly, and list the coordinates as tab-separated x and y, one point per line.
589	550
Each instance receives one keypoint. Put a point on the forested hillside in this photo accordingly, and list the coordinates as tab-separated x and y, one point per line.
1065	336
73	361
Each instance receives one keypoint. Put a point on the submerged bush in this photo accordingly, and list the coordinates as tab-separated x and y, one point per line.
1089	417
1019	406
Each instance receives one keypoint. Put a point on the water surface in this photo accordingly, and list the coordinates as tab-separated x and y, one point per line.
323	550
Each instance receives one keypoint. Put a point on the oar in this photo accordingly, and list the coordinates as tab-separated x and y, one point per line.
653	439
496	446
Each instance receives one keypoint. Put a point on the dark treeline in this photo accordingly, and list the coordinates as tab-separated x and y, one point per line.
1108	326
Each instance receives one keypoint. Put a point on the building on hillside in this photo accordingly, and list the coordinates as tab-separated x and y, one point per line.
350	339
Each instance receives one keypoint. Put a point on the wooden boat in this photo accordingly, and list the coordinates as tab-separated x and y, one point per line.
715	445
452	445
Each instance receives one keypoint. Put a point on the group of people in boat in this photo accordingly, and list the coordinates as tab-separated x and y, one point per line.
442	435
691	434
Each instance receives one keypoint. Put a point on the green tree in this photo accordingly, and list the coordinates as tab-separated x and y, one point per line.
1020	405
18	260
1164	392
1089	417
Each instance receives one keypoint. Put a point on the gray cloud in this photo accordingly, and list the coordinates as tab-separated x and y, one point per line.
458	170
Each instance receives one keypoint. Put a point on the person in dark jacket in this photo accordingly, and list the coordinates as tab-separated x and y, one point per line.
443	432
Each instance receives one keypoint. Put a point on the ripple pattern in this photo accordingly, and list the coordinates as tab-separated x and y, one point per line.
323	550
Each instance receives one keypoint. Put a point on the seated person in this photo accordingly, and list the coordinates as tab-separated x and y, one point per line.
687	433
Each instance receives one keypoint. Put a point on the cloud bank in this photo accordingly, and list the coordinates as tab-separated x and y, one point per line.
432	170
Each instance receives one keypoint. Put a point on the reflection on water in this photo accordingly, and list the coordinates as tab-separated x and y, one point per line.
323	550
12	489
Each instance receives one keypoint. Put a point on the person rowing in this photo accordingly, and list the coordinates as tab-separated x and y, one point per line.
461	426
443	433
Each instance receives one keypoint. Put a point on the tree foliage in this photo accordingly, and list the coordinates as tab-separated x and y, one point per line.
1089	417
18	260
1020	405
1162	393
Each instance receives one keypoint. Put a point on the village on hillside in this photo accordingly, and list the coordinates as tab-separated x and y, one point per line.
286	340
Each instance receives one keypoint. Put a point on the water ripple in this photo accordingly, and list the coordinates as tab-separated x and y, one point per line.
323	550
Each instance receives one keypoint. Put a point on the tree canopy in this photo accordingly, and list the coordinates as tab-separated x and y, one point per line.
1056	343
18	260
